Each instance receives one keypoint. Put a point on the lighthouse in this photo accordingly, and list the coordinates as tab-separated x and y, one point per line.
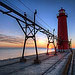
62	30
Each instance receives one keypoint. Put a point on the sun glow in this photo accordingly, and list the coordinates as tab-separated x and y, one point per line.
50	47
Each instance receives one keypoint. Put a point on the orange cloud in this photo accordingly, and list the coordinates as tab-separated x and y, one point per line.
12	41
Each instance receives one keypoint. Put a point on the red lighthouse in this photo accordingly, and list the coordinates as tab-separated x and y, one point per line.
62	30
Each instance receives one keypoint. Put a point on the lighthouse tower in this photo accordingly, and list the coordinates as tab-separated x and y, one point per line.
62	30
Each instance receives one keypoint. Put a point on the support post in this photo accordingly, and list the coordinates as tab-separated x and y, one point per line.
36	61
36	49
54	43
48	45
55	51
24	59
47	48
54	48
24	48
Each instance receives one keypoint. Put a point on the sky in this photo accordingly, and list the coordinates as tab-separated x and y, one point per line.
11	34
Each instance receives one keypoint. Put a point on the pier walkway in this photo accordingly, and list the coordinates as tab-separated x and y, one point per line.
50	65
73	62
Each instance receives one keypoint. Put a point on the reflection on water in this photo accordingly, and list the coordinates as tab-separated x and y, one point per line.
7	53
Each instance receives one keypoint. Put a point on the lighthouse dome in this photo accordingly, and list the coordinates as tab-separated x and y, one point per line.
61	10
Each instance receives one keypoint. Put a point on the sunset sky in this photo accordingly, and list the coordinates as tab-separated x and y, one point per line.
11	34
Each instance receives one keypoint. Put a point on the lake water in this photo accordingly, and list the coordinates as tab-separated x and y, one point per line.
7	53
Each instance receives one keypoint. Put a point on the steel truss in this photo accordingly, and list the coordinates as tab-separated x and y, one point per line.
51	40
31	26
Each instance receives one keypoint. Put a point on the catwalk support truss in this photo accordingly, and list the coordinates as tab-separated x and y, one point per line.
29	28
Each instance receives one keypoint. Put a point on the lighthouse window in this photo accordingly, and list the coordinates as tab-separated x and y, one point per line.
62	11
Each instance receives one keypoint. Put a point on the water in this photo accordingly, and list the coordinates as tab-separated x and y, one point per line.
8	53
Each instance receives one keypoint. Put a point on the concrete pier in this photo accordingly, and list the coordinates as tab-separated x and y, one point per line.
73	63
50	65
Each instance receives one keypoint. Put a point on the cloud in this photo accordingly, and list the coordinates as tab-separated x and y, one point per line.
10	39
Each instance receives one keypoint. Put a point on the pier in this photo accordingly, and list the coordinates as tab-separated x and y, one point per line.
50	65
73	64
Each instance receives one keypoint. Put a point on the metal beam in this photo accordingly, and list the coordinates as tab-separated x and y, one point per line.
12	16
15	12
